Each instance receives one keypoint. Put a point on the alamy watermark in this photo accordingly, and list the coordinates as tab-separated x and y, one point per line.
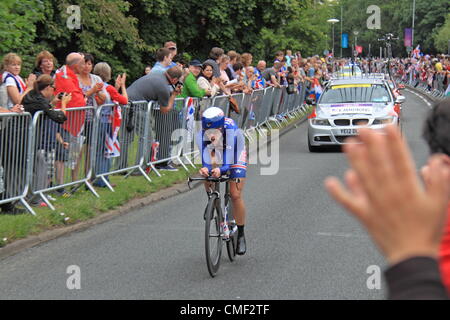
374	280
261	151
374	20
73	282
73	22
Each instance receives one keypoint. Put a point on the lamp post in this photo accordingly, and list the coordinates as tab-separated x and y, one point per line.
413	18
333	21
356	41
342	19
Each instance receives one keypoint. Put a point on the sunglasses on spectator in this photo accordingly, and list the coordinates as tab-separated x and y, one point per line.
173	48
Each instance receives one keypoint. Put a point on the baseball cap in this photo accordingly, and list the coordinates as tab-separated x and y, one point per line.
195	63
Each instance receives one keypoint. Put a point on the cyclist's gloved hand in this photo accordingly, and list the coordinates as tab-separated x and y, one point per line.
216	173
204	172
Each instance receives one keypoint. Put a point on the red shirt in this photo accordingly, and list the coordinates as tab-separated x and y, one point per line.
67	81
444	254
116	96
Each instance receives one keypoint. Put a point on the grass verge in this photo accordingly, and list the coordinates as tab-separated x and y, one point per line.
83	205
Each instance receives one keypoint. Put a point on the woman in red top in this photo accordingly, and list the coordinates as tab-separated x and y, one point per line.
109	121
437	135
444	253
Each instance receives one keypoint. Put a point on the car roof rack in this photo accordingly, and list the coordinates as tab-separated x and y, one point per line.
380	76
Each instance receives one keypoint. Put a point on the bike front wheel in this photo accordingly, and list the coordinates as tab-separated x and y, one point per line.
232	242
213	236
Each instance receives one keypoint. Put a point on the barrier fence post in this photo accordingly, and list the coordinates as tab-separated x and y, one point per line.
64	153
16	139
39	155
163	125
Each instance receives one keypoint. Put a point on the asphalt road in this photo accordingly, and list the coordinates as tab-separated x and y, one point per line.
301	245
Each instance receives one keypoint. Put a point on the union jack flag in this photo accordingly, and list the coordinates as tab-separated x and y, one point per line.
259	83
317	88
416	52
190	118
111	141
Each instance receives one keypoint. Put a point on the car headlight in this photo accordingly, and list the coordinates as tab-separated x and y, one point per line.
320	122
387	120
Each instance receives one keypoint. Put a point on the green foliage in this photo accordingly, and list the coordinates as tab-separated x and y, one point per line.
442	37
197	26
127	33
18	27
106	32
395	17
305	30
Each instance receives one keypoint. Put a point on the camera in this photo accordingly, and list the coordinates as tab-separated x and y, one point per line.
177	86
60	95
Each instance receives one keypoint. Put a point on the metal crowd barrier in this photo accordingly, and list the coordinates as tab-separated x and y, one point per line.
244	110
15	158
163	125
435	89
254	109
39	156
222	102
237	118
189	149
266	106
123	141
64	154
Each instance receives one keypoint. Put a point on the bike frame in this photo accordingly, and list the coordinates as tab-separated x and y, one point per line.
215	201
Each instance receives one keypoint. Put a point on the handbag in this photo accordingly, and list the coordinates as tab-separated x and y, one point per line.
234	105
130	123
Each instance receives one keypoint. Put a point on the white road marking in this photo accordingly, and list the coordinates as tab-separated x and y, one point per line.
341	235
421	97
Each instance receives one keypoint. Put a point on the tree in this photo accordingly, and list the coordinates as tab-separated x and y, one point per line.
305	31
18	27
442	37
395	17
106	31
197	26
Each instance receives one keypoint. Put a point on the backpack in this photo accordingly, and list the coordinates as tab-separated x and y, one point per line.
3	95
3	104
4	92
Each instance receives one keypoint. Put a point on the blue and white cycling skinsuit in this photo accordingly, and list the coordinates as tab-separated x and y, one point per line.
232	149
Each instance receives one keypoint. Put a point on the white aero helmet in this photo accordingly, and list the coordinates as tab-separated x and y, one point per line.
213	118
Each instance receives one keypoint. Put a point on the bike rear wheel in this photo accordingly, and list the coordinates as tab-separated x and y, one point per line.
213	236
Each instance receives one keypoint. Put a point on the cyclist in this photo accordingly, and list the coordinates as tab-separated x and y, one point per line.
222	145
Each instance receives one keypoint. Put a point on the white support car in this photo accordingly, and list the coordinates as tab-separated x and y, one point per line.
349	104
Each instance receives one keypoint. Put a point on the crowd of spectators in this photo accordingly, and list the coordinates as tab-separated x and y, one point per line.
80	82
222	73
433	71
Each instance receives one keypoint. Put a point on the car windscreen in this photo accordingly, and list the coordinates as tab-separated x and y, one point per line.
355	93
350	69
